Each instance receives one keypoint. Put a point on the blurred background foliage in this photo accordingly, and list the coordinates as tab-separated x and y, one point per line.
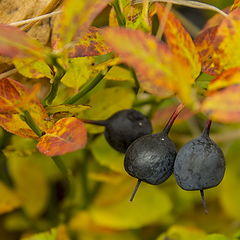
34	197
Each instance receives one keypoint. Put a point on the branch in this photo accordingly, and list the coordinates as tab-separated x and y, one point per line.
87	88
26	117
54	87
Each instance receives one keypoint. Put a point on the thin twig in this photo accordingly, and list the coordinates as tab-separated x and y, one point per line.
187	3
8	73
48	15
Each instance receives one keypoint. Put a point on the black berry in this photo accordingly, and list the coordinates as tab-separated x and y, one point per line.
150	158
199	164
123	127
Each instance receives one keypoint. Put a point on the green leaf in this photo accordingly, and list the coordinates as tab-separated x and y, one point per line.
50	235
106	155
117	73
106	102
71	108
78	72
112	208
9	200
29	180
177	232
216	236
229	188
59	233
32	68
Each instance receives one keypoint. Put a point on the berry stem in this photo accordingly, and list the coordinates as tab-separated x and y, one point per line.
207	127
95	122
120	17
55	82
172	119
135	190
204	203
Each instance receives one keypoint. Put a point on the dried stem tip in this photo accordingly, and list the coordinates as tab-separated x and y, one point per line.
135	190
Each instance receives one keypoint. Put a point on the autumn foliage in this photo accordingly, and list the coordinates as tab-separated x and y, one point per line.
88	60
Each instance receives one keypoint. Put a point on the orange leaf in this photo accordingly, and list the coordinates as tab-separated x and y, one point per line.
92	44
223	106
215	20
67	135
219	46
227	78
10	94
77	17
180	41
14	98
158	70
204	44
236	4
16	43
14	124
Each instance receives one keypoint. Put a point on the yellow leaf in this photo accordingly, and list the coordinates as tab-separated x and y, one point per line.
112	208
107	177
9	200
106	102
117	73
227	78
215	236
229	191
30	181
70	108
78	72
59	233
236	4
226	42
106	155
32	68
182	233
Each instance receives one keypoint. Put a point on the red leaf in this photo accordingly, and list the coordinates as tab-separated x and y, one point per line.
16	43
67	135
157	68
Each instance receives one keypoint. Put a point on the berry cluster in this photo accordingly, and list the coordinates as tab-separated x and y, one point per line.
152	158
